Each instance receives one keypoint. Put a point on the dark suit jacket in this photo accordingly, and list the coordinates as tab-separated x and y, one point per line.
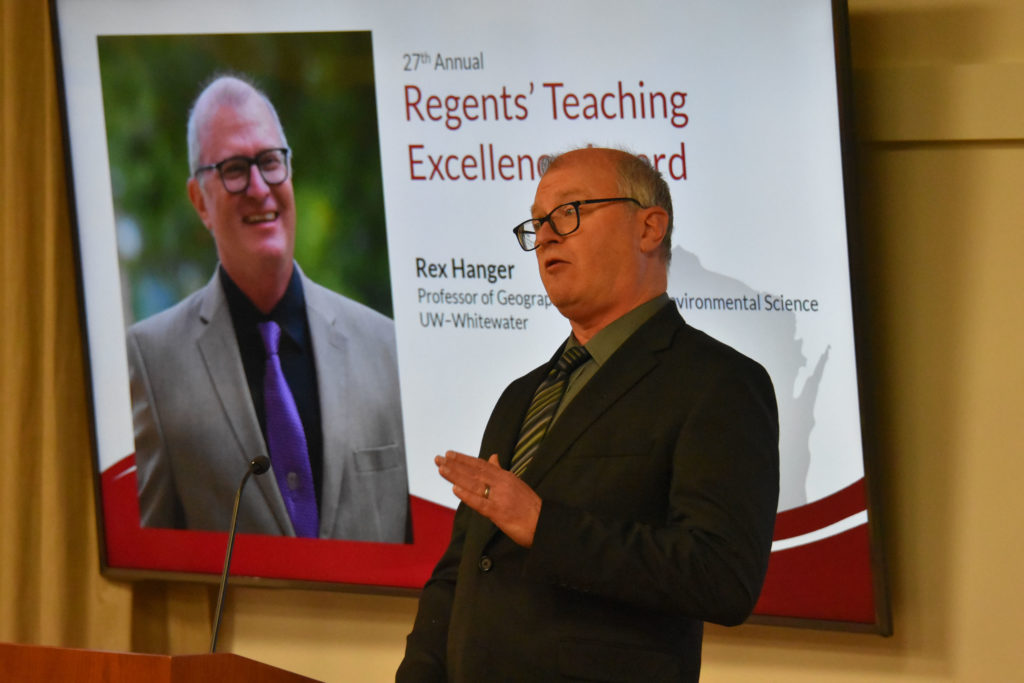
659	485
196	428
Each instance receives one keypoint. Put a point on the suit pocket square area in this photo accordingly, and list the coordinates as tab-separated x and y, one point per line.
378	458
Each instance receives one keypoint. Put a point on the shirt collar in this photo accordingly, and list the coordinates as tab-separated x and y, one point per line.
289	313
606	342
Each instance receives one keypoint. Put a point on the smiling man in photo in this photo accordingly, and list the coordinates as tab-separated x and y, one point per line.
262	360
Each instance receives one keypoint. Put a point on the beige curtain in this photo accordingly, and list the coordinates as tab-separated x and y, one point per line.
51	591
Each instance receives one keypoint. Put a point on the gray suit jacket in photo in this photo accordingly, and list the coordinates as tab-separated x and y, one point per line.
196	428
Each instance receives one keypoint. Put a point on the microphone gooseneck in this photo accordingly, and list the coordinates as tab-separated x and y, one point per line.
257	466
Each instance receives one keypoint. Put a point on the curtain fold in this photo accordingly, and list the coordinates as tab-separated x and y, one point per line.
51	590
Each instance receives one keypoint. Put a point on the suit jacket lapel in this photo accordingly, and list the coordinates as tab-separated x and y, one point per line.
637	357
520	394
509	414
218	347
331	357
628	365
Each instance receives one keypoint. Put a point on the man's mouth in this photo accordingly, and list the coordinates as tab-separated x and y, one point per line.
553	261
260	217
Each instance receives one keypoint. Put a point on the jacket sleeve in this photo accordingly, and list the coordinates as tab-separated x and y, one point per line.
426	645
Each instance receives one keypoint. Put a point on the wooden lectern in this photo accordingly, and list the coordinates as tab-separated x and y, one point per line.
30	663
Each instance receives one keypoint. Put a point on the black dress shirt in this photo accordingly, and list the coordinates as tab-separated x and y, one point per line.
295	352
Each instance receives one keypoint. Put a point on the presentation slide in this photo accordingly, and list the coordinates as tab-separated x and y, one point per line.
417	133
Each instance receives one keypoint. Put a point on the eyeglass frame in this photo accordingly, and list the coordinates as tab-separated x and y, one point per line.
520	229
252	161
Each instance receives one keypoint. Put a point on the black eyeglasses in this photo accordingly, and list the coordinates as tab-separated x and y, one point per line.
234	171
564	219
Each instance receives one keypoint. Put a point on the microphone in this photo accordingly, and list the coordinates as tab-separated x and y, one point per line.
257	466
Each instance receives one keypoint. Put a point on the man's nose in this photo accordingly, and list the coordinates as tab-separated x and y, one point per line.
546	234
258	187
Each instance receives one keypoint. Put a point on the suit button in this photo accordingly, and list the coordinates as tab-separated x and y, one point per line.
485	564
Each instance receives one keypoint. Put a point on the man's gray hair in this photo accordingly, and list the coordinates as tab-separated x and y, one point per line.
638	179
222	91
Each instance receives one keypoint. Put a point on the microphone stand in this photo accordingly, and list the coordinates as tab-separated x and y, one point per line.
257	465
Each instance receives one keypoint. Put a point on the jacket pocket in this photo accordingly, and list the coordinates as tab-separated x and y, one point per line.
379	458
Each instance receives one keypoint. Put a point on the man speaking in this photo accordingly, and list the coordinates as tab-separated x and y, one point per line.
626	490
262	360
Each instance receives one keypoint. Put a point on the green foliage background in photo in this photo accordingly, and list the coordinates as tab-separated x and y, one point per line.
322	85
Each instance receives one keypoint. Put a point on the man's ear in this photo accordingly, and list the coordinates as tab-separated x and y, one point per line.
195	195
655	225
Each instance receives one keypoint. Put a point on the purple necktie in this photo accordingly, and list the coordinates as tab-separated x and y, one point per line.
289	455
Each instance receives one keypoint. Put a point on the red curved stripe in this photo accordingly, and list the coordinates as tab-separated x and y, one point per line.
829	579
821	513
130	546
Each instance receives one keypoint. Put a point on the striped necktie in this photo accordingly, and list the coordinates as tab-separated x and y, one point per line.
542	408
